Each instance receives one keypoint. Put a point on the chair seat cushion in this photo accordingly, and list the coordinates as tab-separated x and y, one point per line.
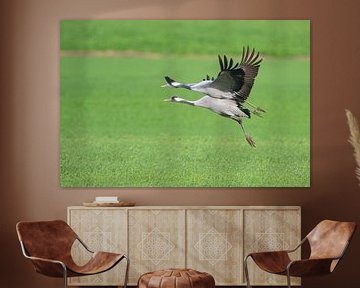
99	262
272	262
176	278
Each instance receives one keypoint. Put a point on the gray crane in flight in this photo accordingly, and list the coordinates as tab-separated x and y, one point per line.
227	94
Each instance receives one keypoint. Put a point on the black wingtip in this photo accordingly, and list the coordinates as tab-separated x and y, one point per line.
221	63
230	63
242	55
250	57
169	80
247	112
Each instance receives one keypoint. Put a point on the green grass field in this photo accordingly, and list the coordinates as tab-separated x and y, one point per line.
116	130
271	37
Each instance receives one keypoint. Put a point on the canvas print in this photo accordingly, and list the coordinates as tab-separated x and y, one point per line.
185	103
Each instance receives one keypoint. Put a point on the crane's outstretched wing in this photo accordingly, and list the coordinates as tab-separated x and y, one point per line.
250	65
230	77
238	78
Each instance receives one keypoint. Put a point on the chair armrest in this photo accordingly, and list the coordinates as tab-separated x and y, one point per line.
315	266
46	260
298	246
84	245
281	251
49	267
309	267
269	253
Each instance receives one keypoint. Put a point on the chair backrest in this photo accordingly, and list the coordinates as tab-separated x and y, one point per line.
46	239
329	239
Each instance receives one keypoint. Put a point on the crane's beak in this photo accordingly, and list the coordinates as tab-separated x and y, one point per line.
165	86
167	100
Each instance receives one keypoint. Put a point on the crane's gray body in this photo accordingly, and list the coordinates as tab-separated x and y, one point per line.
223	107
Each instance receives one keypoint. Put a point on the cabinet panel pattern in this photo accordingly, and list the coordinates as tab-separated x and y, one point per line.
101	230
156	240
214	239
270	230
211	239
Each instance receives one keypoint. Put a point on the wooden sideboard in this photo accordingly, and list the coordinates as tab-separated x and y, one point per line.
212	239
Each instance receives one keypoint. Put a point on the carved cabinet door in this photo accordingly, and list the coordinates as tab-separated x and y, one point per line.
270	230
214	244
156	240
101	230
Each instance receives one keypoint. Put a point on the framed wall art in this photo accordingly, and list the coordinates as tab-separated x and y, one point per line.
236	110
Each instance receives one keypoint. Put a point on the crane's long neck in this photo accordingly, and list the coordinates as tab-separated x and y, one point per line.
184	101
180	85
202	102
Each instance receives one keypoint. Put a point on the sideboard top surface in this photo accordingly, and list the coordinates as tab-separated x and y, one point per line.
193	207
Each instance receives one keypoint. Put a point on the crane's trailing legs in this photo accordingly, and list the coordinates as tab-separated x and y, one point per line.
247	136
254	109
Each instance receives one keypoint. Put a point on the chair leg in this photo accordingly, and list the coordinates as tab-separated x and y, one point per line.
288	278
246	271
65	276
127	271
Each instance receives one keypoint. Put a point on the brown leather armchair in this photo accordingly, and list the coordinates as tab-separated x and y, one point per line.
328	242
48	245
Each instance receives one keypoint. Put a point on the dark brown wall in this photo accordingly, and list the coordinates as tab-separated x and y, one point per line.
29	119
